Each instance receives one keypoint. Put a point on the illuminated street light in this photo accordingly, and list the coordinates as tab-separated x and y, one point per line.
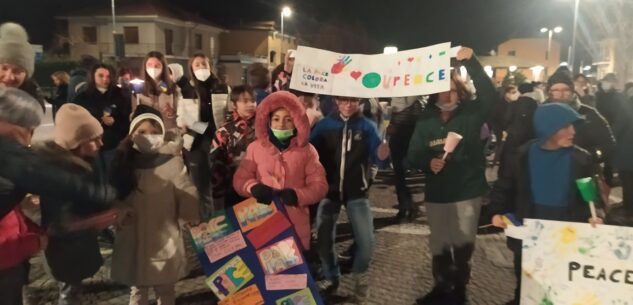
390	50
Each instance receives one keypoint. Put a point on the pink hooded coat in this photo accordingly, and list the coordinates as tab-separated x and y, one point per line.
297	167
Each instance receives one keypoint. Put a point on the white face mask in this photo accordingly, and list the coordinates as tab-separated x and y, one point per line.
102	90
202	74
153	72
606	86
445	107
148	143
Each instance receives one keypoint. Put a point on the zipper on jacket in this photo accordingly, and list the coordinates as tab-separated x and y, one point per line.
344	149
365	184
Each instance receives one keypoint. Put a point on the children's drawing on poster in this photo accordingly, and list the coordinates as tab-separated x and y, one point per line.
407	73
213	229
574	263
280	256
249	295
301	297
230	278
250	214
225	246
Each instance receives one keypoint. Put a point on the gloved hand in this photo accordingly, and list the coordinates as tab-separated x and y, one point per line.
289	197
263	193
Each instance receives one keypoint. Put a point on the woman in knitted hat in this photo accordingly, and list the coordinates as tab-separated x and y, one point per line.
24	171
156	193
17	60
72	256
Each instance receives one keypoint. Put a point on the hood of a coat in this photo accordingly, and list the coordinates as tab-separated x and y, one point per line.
550	118
287	100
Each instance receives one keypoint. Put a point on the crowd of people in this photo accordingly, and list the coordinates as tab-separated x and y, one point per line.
146	162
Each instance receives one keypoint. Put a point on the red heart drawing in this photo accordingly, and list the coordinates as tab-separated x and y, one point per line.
355	74
410	59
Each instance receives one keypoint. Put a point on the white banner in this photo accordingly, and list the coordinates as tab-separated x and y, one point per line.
573	263
407	73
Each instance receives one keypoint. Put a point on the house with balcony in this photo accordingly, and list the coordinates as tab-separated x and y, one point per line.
256	42
145	27
529	56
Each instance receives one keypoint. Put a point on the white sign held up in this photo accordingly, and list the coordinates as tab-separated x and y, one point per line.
407	73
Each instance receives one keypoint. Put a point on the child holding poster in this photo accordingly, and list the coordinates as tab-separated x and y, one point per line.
282	163
539	182
156	194
455	183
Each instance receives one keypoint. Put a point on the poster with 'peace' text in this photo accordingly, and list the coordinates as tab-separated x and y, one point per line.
573	263
407	73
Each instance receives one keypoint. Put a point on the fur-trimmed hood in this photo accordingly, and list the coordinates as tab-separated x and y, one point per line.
287	100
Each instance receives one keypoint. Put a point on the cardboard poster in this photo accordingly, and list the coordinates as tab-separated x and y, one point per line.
574	263
230	278
414	72
286	281
251	214
302	297
249	295
213	229
280	256
225	246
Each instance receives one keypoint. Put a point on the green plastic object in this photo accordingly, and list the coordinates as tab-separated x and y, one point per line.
588	189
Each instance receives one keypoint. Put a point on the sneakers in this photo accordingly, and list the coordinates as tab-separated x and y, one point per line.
361	287
328	287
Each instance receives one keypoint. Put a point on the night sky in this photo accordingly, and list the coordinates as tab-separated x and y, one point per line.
482	24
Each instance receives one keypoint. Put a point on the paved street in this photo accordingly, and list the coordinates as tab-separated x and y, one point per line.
400	270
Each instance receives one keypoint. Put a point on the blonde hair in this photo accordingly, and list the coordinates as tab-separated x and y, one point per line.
62	76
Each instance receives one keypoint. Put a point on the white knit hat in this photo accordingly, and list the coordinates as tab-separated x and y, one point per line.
15	48
176	70
74	125
147	116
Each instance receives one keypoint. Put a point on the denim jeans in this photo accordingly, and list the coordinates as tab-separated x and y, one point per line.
105	163
362	221
200	172
399	145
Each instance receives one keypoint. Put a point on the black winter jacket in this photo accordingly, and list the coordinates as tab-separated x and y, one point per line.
22	171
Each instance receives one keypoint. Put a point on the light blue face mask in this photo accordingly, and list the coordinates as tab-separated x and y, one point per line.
283	135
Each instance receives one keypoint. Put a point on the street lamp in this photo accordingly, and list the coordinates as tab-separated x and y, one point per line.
572	52
390	50
285	12
550	32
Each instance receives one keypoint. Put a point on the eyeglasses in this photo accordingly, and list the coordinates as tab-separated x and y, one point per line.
560	91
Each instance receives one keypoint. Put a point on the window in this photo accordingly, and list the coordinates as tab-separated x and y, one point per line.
197	41
131	34
90	34
169	39
512	53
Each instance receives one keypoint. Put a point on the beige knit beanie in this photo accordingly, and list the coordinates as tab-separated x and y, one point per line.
74	125
15	48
